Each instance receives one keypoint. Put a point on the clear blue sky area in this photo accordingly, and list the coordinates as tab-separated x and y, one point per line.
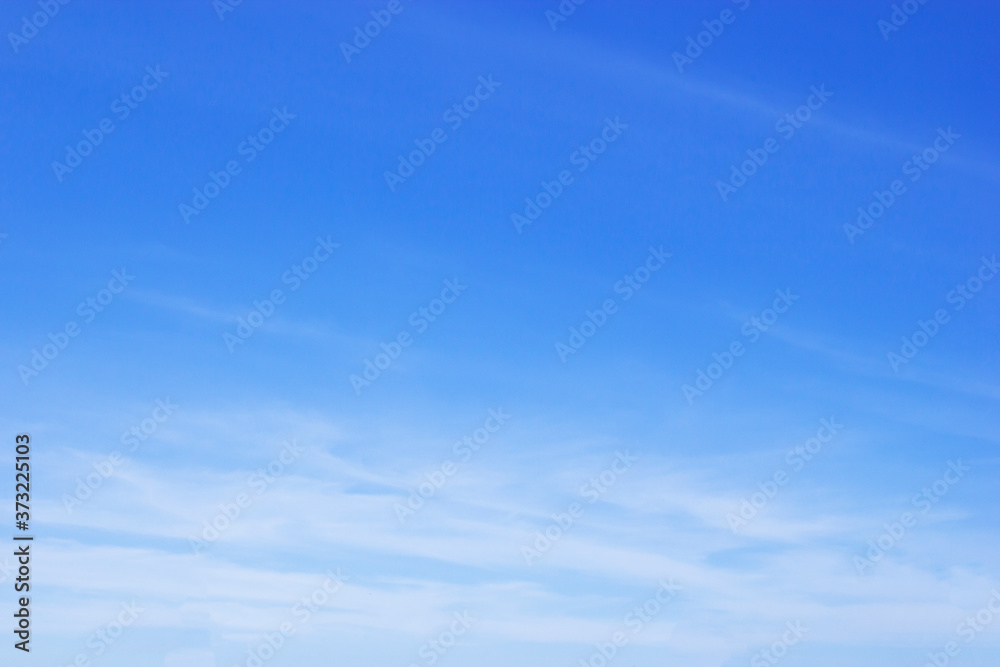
451	333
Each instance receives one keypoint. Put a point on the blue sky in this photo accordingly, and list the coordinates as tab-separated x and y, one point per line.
635	237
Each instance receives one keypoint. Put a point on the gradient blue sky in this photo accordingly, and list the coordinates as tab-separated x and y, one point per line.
495	346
